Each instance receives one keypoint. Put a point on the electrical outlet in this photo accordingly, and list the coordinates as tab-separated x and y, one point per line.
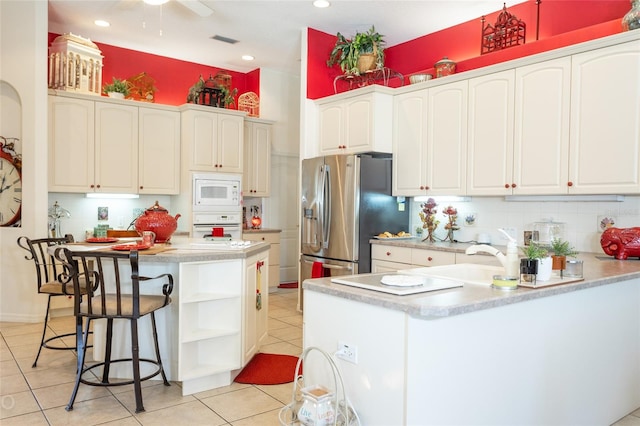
347	352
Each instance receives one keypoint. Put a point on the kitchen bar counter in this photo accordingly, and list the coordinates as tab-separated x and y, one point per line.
598	270
212	327
560	355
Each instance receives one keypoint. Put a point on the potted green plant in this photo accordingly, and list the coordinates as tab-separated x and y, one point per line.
530	264
117	88
561	249
364	52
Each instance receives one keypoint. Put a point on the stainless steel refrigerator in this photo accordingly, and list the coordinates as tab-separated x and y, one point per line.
346	200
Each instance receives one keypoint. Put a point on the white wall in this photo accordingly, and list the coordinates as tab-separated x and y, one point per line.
581	218
280	101
23	68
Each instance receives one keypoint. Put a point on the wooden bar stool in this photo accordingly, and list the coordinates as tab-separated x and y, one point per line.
113	292
48	270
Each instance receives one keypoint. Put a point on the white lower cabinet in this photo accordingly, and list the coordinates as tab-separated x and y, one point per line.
210	319
273	238
219	326
255	306
386	258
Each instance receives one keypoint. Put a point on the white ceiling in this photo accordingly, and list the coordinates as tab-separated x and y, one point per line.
268	30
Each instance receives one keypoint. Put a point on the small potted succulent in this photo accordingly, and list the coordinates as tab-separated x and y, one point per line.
529	265
117	88
561	249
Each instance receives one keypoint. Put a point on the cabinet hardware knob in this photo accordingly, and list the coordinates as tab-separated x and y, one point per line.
98	186
569	183
92	186
262	238
141	187
513	185
506	185
427	188
421	187
388	253
429	258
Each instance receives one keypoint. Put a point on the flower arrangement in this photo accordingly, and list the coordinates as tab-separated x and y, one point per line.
451	225
428	217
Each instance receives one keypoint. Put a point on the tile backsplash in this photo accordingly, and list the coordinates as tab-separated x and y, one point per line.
581	218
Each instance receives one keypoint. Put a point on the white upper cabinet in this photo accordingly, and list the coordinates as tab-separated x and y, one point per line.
605	120
213	142
112	146
490	146
159	151
410	143
447	139
541	142
355	124
430	141
257	159
116	150
71	144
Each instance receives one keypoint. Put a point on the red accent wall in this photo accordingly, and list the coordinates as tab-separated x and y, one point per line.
562	23
173	77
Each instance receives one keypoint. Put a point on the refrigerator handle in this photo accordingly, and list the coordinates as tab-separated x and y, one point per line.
325	212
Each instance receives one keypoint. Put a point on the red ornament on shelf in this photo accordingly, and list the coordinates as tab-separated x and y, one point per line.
256	222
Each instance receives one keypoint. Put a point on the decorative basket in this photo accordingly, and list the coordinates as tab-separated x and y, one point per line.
368	61
344	415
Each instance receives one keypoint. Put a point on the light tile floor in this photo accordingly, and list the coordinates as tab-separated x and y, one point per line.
37	396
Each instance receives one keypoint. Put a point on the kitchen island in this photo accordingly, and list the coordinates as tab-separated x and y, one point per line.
213	325
565	354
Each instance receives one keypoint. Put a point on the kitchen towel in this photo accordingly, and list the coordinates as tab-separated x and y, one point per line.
319	271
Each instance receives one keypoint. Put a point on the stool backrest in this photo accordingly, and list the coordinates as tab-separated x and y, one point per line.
112	283
48	268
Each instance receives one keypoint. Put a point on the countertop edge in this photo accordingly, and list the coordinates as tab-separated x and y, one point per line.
598	272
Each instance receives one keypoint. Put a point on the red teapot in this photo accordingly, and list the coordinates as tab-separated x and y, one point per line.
158	220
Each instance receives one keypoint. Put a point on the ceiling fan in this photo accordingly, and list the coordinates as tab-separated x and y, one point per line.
196	6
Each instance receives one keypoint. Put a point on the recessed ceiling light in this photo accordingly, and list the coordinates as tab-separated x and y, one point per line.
101	23
155	2
321	3
247	58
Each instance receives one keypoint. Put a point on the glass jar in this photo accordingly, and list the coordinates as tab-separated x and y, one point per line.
317	407
444	67
631	21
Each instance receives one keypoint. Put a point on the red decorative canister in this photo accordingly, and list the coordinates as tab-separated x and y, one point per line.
158	220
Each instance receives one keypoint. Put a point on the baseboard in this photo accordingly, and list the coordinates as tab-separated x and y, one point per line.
15	317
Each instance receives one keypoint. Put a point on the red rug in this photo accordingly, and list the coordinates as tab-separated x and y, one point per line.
269	369
289	285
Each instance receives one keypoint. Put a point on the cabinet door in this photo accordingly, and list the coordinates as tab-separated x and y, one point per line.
605	121
446	155
255	327
410	144
159	151
490	143
359	124
116	152
331	128
250	333
71	145
200	132
541	142
381	266
230	143
257	159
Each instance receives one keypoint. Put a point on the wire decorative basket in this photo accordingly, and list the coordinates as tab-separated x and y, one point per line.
344	414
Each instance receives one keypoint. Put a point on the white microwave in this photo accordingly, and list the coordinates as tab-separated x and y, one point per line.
217	191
